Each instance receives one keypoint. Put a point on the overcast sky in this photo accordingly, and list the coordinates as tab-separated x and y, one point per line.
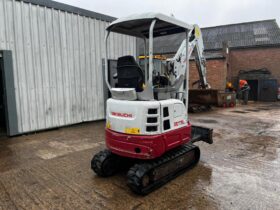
203	12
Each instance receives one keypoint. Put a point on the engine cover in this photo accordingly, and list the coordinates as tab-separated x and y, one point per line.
145	117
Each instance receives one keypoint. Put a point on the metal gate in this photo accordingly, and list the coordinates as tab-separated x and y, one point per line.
268	90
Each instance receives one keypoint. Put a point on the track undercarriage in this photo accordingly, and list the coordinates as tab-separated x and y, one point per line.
144	176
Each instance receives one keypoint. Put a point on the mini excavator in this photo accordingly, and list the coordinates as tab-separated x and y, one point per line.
147	123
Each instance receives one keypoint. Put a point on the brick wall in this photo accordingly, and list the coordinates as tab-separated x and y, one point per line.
216	73
255	58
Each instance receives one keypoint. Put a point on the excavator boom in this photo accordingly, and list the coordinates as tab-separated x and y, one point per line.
196	47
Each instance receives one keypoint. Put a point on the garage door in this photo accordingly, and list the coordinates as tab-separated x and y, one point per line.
268	90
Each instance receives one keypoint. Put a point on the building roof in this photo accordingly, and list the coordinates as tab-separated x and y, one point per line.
70	9
240	35
257	33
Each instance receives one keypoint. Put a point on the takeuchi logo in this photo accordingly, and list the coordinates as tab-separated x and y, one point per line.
118	114
178	123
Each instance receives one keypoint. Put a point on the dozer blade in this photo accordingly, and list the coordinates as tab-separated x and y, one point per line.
202	134
145	177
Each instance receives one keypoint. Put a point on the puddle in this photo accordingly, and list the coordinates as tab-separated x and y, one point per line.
262	108
237	111
252	110
207	121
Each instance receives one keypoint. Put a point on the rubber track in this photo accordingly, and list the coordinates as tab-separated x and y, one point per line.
98	160
136	172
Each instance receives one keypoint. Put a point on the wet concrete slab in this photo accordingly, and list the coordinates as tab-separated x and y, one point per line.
241	170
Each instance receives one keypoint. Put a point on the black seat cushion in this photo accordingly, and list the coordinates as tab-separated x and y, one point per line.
130	75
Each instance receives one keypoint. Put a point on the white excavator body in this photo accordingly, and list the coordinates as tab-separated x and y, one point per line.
146	118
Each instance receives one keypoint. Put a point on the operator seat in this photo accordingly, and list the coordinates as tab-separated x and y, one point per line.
129	73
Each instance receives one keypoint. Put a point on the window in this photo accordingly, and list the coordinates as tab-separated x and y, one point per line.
166	124
260	31
151	128
152	111
151	119
165	112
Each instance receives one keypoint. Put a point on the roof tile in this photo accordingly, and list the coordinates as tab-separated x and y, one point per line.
249	34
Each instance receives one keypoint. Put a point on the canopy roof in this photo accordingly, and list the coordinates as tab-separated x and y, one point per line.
138	25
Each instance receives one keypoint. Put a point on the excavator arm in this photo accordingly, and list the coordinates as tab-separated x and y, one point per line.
178	62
